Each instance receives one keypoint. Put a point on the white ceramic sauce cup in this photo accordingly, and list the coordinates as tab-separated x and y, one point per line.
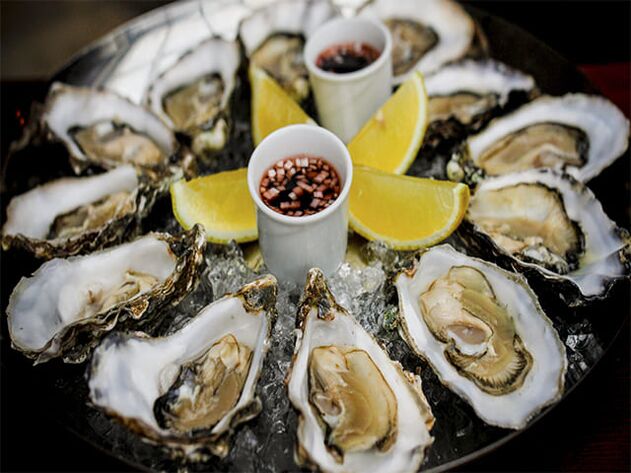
293	245
345	102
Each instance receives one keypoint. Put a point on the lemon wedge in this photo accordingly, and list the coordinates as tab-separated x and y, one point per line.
220	202
405	212
390	140
272	107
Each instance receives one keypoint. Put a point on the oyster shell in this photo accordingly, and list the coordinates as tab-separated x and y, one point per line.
67	305
273	38
578	133
101	128
192	97
359	411
484	333
79	214
546	221
190	389
423	38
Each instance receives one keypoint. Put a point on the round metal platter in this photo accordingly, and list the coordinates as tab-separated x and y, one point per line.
126	60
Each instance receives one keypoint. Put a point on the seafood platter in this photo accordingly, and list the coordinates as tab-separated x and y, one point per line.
224	253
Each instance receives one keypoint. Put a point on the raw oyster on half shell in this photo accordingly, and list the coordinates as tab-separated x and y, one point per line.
193	96
67	305
101	128
580	134
469	90
359	410
190	389
75	215
484	333
546	221
426	35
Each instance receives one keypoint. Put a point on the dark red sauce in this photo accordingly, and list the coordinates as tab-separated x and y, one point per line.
347	57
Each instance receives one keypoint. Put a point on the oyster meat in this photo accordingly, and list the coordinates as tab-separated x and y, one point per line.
192	97
190	389
359	411
424	37
547	221
274	37
68	304
578	133
79	214
484	333
101	128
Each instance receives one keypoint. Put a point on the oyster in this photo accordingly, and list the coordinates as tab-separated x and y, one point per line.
423	38
101	128
68	304
79	214
469	91
274	36
484	333
191	388
359	411
546	221
192	97
578	133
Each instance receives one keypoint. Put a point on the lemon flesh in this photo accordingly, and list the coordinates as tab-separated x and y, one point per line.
405	212
272	107
220	202
390	140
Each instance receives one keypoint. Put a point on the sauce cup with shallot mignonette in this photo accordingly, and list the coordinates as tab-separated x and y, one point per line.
299	178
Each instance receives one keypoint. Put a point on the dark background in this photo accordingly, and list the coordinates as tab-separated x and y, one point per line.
39	36
588	431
